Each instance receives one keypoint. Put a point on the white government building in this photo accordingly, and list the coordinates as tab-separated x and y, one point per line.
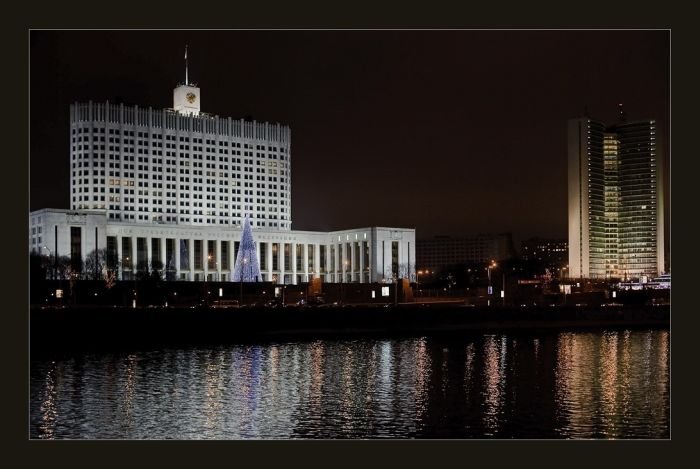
171	187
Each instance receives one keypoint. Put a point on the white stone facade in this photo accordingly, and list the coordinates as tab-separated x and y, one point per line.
168	190
373	254
178	166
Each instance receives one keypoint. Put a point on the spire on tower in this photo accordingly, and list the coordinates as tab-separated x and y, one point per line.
187	81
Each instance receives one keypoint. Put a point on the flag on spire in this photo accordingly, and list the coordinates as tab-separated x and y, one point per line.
187	79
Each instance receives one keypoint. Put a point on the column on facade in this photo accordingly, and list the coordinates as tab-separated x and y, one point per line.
190	253
149	254
353	267
205	261
343	255
362	261
409	261
119	257
231	258
268	261
233	254
257	254
217	257
328	262
293	254
381	259
338	264
305	263
176	241
163	256
317	261
370	258
280	262
134	255
388	267
332	255
331	267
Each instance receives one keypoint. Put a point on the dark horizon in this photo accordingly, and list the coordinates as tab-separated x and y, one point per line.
389	128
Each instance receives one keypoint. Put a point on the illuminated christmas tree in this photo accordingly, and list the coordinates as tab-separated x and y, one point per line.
247	268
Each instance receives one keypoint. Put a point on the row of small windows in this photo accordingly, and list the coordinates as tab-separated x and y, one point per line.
174	219
127	154
171	138
184	160
113	131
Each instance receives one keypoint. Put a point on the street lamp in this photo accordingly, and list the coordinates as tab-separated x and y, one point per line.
492	265
54	267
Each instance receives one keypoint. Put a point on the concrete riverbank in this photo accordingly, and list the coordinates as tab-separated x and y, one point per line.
79	327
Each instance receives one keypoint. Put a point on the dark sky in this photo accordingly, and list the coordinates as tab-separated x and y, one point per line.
449	132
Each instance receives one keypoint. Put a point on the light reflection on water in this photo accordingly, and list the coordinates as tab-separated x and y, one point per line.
568	385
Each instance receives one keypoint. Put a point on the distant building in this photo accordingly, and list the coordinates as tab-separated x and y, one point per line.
552	254
615	199
442	251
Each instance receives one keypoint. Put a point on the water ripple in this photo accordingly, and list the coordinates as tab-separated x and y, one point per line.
569	385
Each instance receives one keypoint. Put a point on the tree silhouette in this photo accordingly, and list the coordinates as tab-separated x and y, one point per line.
95	266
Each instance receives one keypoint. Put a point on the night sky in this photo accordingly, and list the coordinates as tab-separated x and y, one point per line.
449	132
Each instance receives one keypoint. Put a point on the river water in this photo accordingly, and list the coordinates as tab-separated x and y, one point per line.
606	384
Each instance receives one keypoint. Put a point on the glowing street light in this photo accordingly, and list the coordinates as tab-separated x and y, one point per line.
492	265
54	262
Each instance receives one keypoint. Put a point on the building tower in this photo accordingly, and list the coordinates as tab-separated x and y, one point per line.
179	166
615	199
586	181
187	96
640	214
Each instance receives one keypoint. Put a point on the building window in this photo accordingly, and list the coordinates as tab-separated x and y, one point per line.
198	254
275	256
184	254
76	258
263	256
225	255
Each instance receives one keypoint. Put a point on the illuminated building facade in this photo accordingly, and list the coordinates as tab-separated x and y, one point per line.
615	199
168	190
179	165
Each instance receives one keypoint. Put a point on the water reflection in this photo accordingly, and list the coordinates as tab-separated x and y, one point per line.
48	410
494	382
569	385
613	385
469	368
129	390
